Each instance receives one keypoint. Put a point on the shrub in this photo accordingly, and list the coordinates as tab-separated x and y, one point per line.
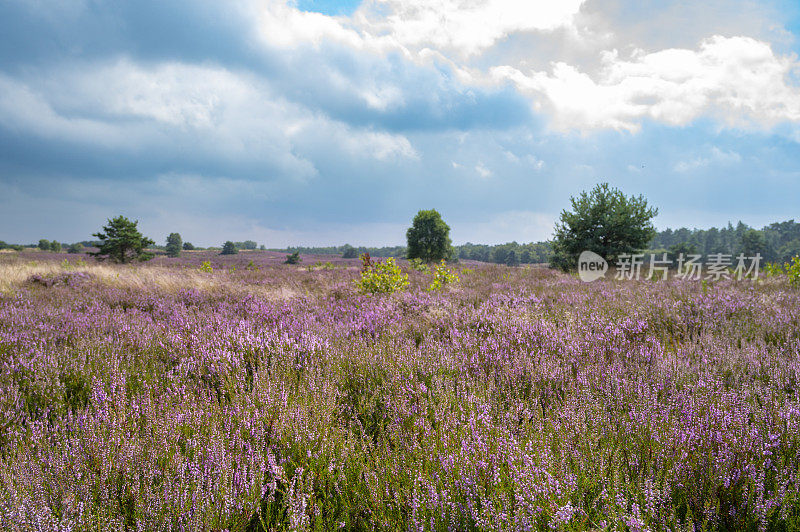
793	271
75	248
417	264
55	246
349	252
206	267
381	277
44	245
442	277
188	246
293	258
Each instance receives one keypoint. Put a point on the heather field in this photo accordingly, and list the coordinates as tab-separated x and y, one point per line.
264	396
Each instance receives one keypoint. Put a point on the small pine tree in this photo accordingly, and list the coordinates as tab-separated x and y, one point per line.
174	245
293	258
229	248
122	242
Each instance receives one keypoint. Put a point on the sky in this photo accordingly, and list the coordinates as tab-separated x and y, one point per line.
321	122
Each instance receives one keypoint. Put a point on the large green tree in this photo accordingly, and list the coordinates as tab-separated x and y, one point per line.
605	221
174	245
428	237
122	242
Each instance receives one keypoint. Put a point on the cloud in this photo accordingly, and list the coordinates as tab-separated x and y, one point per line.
483	171
465	27
737	80
715	156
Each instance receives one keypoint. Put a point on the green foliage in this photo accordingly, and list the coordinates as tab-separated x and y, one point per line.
251	267
442	277
293	258
44	245
418	265
67	265
428	237
247	244
174	245
379	277
772	269
793	271
188	246
349	252
122	242
684	248
229	248
55	246
752	242
605	221
206	267
512	259
77	247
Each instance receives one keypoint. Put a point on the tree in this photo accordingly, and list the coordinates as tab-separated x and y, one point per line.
55	246
604	221
229	248
174	245
349	252
682	248
293	258
44	245
77	247
188	246
122	242
753	241
429	237
511	258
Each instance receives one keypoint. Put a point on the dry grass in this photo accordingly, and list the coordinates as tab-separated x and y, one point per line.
14	275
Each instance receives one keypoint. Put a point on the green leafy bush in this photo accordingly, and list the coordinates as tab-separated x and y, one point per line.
206	267
793	271
442	277
417	264
293	258
379	277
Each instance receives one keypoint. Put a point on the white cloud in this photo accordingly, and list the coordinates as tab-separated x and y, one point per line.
715	156
483	171
463	26
738	80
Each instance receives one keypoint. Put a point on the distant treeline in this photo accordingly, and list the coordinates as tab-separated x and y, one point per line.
777	242
347	251
511	253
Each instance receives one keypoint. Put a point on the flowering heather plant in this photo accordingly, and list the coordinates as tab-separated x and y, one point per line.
160	398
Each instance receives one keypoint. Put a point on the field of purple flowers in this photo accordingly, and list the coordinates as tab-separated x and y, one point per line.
277	397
